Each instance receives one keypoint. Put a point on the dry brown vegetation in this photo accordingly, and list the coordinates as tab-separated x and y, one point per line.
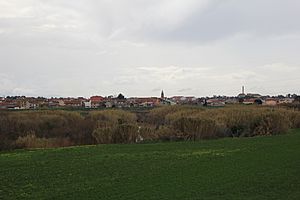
31	141
242	121
40	129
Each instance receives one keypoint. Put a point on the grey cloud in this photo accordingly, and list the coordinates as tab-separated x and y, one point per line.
224	19
84	47
185	90
156	89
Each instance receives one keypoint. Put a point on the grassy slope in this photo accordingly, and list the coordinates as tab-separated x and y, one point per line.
247	168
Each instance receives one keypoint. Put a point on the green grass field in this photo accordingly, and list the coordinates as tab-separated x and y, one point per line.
241	168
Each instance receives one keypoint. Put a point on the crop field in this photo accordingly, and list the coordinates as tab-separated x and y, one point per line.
264	167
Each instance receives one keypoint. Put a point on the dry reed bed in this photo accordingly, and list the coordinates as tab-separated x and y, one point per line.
39	129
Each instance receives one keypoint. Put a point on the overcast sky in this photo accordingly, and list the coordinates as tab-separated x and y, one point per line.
139	47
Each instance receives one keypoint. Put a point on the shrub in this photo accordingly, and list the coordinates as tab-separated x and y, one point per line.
31	141
196	128
230	121
166	133
107	118
103	135
146	133
114	126
63	128
295	119
125	133
158	115
122	133
271	124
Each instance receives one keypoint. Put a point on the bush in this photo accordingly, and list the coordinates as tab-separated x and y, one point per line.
166	133
31	141
271	124
196	128
158	116
122	133
103	135
196	123
107	118
295	119
146	133
114	126
30	129
6	144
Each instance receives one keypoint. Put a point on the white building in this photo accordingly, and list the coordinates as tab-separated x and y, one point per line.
87	104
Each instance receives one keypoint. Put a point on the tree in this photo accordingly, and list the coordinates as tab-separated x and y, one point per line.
297	99
258	101
120	96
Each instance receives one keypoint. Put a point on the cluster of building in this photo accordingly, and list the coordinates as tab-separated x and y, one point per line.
94	102
250	98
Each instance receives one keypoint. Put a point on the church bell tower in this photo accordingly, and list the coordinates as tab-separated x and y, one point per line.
162	95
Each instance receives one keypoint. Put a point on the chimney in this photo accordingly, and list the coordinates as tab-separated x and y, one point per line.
243	89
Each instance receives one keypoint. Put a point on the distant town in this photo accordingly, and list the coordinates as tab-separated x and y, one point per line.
120	101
